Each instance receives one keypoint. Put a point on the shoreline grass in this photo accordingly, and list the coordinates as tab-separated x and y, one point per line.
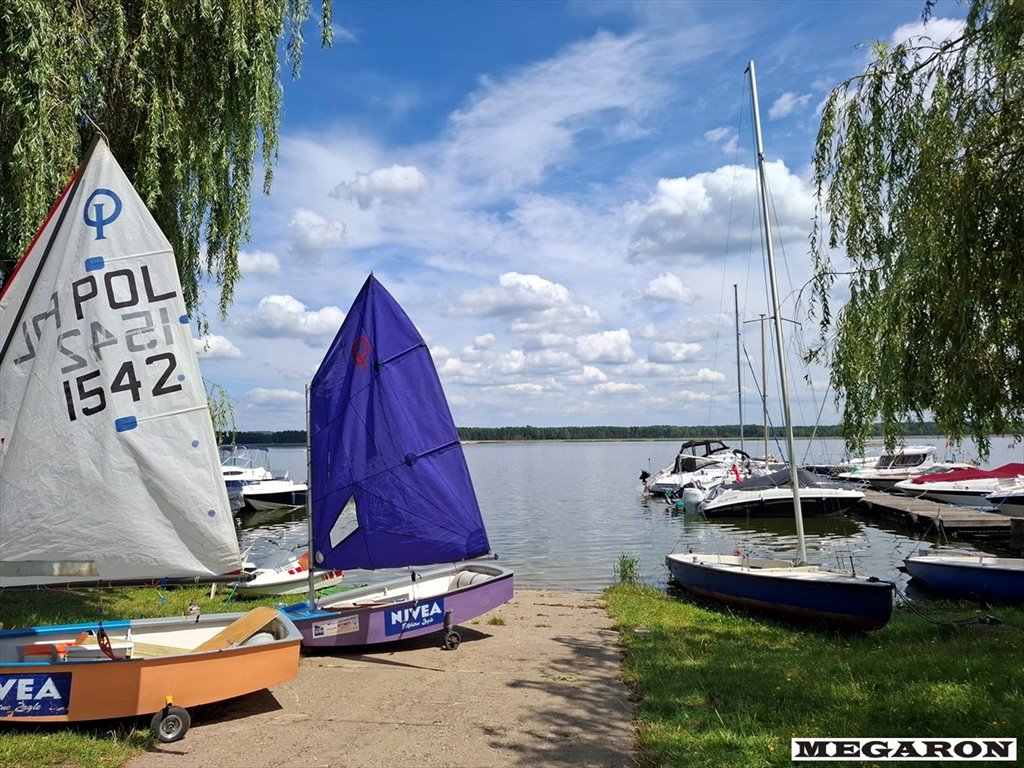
719	688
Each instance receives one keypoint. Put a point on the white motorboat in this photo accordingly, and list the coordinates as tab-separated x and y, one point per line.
964	487
268	495
1009	501
772	496
908	462
700	464
285	574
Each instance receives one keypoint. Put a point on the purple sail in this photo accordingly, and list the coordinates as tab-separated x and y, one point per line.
381	433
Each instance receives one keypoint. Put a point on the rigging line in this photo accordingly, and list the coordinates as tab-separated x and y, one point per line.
728	239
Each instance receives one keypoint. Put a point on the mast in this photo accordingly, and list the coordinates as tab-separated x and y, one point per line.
739	374
309	509
790	448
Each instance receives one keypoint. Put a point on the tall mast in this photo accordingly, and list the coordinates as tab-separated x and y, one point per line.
790	448
309	508
739	374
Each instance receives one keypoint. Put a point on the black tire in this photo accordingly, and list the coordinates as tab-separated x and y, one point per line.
170	724
452	640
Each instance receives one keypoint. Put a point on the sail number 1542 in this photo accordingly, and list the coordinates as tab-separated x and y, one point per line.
85	394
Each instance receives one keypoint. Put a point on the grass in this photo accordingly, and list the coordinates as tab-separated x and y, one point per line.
716	688
627	571
101	744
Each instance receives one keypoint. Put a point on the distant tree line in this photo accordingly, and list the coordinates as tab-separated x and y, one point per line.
654	432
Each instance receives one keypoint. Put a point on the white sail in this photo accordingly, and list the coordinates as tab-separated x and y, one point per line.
108	461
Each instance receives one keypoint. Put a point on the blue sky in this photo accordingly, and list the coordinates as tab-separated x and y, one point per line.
560	195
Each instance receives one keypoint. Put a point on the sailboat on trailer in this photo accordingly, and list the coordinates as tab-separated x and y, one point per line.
109	473
784	588
382	443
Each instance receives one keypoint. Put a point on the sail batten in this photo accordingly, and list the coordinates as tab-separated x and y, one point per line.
381	433
107	451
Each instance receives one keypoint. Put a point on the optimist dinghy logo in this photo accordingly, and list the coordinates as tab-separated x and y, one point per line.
35	695
101	214
417	616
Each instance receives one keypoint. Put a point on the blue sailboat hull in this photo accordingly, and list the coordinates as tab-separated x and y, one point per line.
989	578
781	589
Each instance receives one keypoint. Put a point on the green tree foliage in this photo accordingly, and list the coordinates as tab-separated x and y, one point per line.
919	167
186	94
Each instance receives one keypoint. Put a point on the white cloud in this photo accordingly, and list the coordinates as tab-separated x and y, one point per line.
264	396
253	263
605	347
529	302
313	235
398	183
214	347
280	316
669	288
685	219
786	104
616	388
673	352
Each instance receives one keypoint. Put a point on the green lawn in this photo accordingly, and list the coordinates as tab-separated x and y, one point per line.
717	688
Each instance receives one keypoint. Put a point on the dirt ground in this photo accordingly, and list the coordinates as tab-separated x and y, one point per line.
538	687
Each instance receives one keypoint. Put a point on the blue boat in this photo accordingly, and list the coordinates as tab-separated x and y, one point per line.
385	455
998	579
784	589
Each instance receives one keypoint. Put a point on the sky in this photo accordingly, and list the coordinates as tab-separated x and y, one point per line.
561	195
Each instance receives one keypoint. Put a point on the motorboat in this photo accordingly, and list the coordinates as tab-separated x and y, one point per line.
700	464
772	496
890	468
963	487
287	573
1008	501
269	495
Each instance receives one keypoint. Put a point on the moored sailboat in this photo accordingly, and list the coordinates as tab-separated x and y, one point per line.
97	357
383	445
788	589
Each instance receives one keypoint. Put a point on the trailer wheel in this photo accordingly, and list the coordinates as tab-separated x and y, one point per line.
452	640
170	724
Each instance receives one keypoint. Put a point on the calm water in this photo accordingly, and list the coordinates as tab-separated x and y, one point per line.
561	514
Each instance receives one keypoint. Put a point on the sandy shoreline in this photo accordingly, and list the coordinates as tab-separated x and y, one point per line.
541	689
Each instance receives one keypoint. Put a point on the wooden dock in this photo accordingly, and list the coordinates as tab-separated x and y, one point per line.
955	522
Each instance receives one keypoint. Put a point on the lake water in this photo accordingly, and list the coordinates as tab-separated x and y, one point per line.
561	514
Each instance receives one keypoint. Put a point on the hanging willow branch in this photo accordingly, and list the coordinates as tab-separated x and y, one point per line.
919	167
187	93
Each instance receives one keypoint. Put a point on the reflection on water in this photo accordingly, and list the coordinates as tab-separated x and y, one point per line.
561	514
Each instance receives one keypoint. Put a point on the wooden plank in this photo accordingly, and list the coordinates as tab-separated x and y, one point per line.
240	630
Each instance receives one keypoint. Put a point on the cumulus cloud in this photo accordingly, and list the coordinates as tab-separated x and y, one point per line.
253	263
215	347
786	104
685	218
605	347
616	388
529	302
313	235
673	352
669	288
398	183
283	316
